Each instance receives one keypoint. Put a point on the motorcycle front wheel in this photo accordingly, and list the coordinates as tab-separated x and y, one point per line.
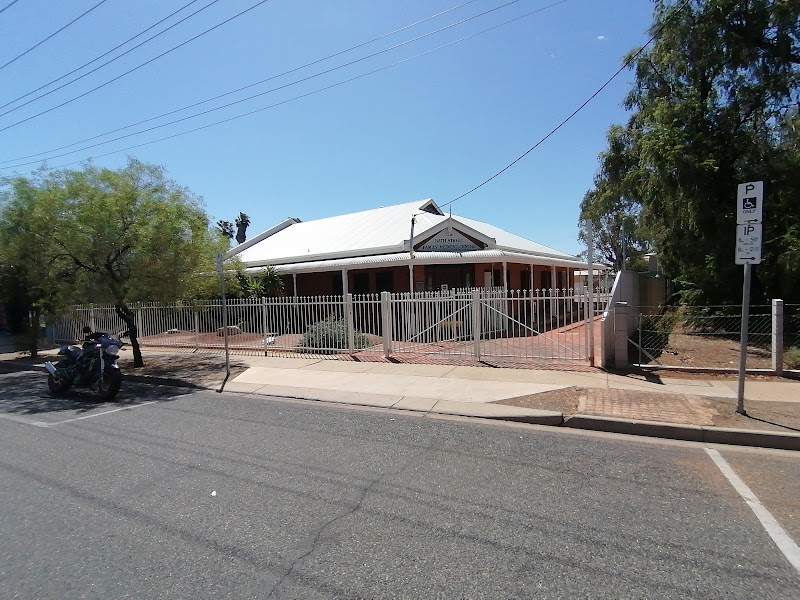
110	384
57	385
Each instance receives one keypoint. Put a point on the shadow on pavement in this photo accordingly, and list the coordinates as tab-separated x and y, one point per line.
26	393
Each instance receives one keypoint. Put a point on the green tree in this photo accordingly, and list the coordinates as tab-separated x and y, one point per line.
33	279
610	207
242	223
121	236
715	104
264	284
225	228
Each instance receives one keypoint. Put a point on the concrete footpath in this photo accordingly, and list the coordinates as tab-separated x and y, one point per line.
679	406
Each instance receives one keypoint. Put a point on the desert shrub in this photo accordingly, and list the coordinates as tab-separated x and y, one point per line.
791	357
331	334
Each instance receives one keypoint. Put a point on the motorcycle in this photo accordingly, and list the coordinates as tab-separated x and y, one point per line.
95	362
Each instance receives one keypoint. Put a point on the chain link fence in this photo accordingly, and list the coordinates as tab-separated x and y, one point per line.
703	337
791	336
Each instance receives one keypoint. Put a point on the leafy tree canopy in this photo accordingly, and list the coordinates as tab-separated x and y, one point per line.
102	235
715	104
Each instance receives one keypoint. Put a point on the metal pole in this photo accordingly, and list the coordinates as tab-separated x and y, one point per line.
590	285
221	269
743	346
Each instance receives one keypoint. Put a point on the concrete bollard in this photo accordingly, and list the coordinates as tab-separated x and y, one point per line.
621	320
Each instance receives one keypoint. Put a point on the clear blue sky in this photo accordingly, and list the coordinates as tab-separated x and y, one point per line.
434	126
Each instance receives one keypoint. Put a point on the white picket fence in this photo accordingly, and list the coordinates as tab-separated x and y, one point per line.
476	323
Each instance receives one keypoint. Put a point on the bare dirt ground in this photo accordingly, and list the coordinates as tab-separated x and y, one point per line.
204	370
196	368
685	350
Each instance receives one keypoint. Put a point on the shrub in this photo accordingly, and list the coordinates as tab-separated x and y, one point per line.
791	357
331	334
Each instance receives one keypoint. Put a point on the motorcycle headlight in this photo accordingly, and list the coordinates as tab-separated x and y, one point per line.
112	350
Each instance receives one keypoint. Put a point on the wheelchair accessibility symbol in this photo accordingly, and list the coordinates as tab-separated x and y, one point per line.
749	202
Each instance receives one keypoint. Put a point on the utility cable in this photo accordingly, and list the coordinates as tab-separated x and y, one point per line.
270	90
108	62
7	6
16	58
577	110
380	37
128	72
130	39
258	110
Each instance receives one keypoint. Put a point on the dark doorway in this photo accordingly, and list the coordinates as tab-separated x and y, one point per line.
525	280
384	281
361	283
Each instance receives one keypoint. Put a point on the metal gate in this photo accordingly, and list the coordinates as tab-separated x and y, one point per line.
478	323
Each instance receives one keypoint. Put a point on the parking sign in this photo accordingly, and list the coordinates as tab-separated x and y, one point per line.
750	202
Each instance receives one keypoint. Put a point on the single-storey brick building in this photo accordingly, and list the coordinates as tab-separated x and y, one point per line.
407	247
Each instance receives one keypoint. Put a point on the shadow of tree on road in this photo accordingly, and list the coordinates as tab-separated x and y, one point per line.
26	393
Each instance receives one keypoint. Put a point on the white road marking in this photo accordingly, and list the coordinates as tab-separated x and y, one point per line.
18	419
100	414
775	531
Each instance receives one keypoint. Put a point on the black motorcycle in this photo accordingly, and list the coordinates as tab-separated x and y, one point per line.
95	362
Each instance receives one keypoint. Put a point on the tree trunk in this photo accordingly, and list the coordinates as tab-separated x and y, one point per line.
34	332
127	315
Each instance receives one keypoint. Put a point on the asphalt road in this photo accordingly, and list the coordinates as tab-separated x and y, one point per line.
202	495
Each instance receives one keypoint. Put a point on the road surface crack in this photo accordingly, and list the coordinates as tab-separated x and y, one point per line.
356	506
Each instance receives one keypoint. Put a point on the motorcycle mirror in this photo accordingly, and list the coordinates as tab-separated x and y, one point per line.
87	330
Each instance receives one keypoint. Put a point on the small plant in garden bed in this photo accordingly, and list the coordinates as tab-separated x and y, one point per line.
791	357
331	334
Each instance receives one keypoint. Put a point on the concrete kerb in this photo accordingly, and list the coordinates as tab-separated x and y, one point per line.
676	431
689	433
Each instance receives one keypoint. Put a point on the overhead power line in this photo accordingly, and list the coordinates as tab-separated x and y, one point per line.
577	110
52	35
7	6
94	60
136	68
405	43
210	99
317	91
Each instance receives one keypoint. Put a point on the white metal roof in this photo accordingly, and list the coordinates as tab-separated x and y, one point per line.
372	236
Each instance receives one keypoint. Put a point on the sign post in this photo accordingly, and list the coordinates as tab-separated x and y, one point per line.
221	271
749	213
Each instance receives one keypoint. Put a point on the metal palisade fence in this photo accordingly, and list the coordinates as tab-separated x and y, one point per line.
491	322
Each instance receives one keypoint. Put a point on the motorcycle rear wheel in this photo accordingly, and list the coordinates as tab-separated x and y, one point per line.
57	385
110	383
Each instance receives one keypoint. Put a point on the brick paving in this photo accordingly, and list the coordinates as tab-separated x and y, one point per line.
648	406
